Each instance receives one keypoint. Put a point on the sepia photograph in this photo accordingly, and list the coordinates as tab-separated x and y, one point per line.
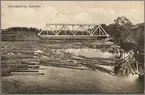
72	47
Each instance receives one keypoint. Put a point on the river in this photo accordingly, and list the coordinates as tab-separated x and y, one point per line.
64	80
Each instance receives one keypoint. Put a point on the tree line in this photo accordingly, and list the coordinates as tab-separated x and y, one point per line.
31	29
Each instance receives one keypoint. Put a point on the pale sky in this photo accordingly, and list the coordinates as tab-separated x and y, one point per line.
72	12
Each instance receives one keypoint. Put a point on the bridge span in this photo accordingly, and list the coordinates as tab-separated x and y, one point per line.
73	31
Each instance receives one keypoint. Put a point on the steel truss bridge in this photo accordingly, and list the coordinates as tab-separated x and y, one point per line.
73	31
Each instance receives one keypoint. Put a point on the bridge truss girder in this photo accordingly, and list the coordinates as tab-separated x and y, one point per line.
88	28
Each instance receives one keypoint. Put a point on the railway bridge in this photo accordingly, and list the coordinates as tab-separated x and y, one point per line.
73	31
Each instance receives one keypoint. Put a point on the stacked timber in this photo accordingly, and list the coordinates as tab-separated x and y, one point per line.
59	63
97	67
13	65
129	65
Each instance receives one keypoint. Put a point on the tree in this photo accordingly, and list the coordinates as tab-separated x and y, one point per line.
124	25
114	31
123	21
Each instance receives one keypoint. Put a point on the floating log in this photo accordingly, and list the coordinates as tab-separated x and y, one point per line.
123	60
26	73
64	64
127	71
96	67
133	67
33	63
132	71
76	68
23	51
124	70
10	62
16	57
15	66
33	66
91	58
31	60
37	68
96	61
90	66
128	61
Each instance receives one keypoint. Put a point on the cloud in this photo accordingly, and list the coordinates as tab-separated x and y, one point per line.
29	17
